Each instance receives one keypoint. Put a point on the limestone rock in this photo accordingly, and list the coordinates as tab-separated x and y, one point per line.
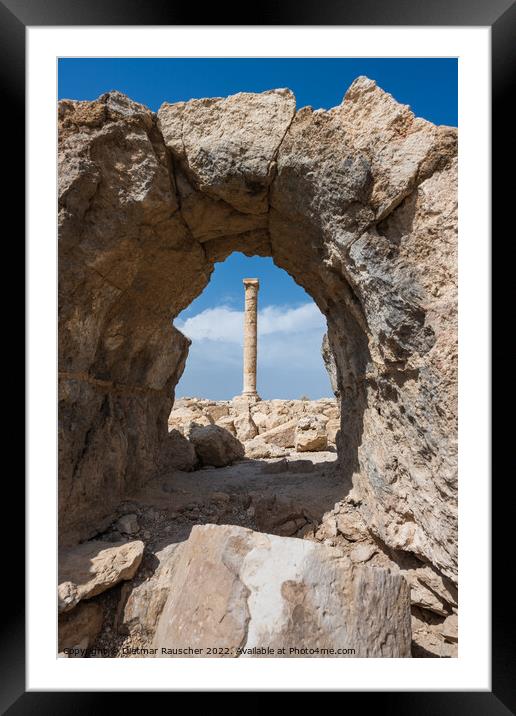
329	364
80	626
429	590
92	567
347	525
450	628
362	552
332	429
216	446
228	423
181	416
127	524
242	590
142	605
236	137
258	448
216	411
178	453
360	204
245	427
310	434
282	436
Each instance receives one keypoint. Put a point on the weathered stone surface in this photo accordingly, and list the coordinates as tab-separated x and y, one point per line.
178	453
80	627
228	423
127	524
92	567
241	589
360	208
245	426
310	435
433	638
236	137
349	527
332	429
329	364
119	356
450	628
258	448
429	590
282	436
142	605
216	446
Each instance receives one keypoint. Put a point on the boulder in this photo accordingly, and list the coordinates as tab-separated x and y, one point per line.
332	428
283	436
245	591
430	591
350	525
245	426
182	416
178	453
80	627
92	567
258	448
127	524
141	605
227	422
362	552
215	411
199	421
216	446
260	420
449	629
310	434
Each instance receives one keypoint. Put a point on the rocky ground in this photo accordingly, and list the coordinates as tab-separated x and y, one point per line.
207	432
295	494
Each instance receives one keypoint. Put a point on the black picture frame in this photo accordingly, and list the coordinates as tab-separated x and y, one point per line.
500	15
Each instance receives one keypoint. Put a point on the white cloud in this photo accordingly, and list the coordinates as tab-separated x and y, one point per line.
225	324
214	324
289	353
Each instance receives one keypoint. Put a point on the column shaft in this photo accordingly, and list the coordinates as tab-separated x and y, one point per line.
250	336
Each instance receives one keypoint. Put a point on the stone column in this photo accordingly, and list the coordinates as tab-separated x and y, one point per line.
250	337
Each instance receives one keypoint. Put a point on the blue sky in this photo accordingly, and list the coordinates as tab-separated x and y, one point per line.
290	325
429	86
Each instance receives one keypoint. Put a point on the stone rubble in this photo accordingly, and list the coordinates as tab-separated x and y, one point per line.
266	428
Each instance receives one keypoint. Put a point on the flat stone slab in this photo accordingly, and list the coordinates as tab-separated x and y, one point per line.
92	567
247	593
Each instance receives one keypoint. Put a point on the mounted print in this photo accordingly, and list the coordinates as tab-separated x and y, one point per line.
258	358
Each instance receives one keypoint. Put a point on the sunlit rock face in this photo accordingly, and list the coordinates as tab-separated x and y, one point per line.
357	203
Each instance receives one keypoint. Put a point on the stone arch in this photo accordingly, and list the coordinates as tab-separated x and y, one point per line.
356	203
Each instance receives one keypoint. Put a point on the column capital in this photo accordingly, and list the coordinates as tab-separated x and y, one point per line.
251	282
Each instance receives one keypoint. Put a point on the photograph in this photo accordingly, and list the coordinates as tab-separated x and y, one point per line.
257	357
259	313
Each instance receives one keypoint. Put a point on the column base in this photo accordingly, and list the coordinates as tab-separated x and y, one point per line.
247	398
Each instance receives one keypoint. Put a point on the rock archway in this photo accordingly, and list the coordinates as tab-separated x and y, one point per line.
357	204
